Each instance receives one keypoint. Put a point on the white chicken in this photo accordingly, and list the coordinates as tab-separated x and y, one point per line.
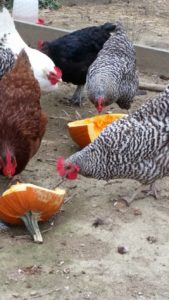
47	74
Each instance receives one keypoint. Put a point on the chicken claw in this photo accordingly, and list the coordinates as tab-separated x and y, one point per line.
151	191
77	97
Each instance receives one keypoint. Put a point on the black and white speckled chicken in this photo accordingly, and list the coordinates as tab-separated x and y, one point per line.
134	147
112	77
7	60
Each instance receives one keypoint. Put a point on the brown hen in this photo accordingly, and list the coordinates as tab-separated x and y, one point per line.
22	122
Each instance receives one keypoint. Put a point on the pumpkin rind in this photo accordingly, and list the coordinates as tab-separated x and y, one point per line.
23	197
86	131
23	201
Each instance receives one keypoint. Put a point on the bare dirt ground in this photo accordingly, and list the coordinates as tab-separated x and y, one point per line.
147	22
77	260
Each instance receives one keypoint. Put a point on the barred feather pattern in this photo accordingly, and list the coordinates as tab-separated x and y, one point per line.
113	74
7	60
135	147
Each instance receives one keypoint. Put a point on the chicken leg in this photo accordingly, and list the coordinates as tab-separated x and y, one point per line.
151	191
77	97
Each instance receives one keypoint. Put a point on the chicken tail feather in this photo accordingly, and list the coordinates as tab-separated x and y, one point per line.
109	26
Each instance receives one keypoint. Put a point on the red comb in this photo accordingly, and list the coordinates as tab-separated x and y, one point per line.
73	175
59	72
60	166
99	105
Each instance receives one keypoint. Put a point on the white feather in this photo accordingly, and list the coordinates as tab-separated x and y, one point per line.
41	64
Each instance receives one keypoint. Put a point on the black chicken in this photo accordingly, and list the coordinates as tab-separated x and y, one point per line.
75	52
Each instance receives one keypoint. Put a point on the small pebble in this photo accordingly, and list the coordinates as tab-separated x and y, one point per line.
33	293
64	243
163	77
122	249
16	295
66	271
137	212
151	239
140	294
98	222
39	159
121	204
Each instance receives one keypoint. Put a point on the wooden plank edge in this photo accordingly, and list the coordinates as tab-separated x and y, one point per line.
150	60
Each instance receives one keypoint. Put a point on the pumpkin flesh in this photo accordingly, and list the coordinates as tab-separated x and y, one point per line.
86	131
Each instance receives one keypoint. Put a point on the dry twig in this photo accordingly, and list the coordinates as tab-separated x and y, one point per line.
69	198
46	294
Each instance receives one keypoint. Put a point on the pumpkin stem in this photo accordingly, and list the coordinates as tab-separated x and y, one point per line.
30	220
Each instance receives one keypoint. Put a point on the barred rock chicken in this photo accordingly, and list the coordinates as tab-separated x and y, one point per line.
43	67
7	60
22	121
112	77
75	52
134	147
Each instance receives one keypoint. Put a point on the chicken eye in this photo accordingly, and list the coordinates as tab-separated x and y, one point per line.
52	74
68	167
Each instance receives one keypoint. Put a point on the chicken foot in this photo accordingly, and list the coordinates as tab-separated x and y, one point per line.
78	96
151	191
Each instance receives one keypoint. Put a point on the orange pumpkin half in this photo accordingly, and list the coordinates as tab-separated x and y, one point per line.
86	131
30	203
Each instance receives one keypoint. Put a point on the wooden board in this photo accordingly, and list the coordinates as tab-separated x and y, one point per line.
149	59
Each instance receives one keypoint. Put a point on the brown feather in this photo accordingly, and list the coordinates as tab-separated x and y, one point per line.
22	121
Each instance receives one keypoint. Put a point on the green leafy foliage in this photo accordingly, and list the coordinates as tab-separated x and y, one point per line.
51	4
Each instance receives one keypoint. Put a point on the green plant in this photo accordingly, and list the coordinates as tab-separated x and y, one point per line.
51	4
